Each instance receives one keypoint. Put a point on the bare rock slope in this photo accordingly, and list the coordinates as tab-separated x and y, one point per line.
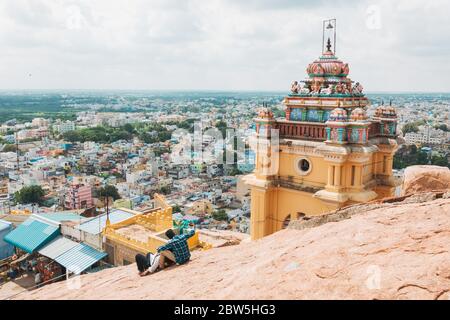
426	178
395	250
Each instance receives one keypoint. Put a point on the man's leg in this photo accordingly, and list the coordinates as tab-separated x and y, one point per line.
141	262
147	257
166	256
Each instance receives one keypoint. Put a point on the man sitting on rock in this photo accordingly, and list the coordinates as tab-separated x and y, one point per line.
176	250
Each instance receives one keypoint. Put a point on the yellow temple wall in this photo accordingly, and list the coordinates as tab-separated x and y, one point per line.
293	202
260	213
316	177
271	207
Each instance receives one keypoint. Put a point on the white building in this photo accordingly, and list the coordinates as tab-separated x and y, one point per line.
420	138
64	127
39	123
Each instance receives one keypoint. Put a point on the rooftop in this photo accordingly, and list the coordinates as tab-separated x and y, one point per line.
97	224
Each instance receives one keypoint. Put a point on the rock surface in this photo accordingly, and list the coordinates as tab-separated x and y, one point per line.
390	251
426	178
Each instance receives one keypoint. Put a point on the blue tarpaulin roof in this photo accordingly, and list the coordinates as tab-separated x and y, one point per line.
79	258
32	235
6	249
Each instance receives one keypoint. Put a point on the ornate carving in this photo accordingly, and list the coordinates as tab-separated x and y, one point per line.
357	88
358	114
265	113
295	87
327	91
338	114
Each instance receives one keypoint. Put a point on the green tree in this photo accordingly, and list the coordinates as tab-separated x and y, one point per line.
410	127
235	171
222	127
422	158
129	128
186	124
30	194
165	190
120	135
439	161
399	163
442	127
10	148
176	208
220	215
108	191
72	136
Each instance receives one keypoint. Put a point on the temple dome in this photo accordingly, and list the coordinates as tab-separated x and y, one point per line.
338	114
328	65
385	112
359	114
265	113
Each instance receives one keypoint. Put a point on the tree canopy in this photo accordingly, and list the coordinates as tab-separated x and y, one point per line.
30	194
220	215
10	148
412	126
108	191
99	134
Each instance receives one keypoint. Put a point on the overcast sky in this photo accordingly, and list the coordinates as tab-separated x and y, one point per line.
391	45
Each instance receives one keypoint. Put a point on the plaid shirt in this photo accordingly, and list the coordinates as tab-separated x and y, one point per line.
178	245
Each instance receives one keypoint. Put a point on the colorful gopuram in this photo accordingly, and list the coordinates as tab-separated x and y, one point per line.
326	153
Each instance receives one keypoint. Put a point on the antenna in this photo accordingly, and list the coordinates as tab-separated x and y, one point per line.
17	153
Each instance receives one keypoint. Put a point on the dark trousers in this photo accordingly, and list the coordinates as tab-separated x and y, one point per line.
143	262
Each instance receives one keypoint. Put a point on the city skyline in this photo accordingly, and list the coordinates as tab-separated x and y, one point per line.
219	46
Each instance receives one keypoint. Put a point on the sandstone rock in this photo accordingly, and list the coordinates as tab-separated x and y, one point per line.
426	178
420	197
393	251
222	238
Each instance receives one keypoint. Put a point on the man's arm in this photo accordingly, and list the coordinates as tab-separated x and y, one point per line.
165	247
189	234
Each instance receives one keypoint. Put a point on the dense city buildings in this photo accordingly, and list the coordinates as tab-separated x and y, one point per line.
89	180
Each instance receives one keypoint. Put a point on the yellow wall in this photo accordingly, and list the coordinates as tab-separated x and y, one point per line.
292	202
271	207
273	201
317	176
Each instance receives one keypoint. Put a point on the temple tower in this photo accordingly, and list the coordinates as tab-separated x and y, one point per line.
326	153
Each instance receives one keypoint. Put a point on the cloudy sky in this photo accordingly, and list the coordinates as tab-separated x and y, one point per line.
391	45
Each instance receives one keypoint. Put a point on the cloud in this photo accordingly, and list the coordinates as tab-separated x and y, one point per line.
218	44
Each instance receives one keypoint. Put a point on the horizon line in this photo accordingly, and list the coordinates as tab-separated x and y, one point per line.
203	90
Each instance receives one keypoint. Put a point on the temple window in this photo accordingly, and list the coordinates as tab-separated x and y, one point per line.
304	165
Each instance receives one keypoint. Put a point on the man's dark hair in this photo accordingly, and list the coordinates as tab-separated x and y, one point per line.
170	234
